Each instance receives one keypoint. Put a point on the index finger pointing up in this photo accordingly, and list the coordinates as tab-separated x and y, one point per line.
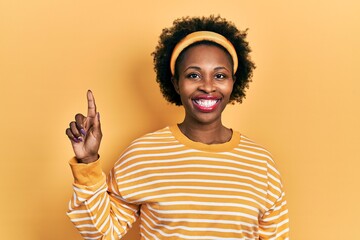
91	105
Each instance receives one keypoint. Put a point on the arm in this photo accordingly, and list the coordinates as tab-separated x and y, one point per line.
274	223
96	208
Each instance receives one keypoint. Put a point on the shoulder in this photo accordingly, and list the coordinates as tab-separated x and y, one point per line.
260	152
249	144
261	159
150	144
159	136
256	150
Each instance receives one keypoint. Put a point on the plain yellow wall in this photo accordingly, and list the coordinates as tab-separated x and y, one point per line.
303	104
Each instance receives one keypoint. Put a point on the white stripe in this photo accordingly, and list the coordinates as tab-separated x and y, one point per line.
113	186
274	187
125	204
73	201
191	173
195	158
166	154
178	234
74	220
286	230
141	149
274	207
146	137
248	140
278	234
84	191
106	213
192	181
92	238
95	218
117	230
272	195
196	229
254	153
274	178
167	142
186	188
88	210
194	220
88	192
222	204
165	130
256	147
101	190
273	169
94	195
205	212
191	166
187	236
120	218
270	219
153	235
168	195
239	156
127	214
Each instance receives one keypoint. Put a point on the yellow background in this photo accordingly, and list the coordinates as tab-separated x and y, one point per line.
303	104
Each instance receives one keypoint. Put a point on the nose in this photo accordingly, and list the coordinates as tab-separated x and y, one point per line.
207	85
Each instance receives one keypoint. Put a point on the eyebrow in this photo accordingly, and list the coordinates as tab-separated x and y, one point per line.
198	68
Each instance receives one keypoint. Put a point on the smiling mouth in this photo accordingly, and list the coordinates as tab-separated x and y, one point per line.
206	103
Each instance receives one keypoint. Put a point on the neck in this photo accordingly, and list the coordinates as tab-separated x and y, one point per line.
213	133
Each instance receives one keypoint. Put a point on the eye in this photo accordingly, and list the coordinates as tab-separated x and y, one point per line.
220	76
193	75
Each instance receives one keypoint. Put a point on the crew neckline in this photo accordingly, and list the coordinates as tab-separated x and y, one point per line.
217	147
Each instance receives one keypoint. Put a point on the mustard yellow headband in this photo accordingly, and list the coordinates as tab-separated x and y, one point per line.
202	36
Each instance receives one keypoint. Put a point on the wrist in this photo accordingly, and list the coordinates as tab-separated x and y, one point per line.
88	160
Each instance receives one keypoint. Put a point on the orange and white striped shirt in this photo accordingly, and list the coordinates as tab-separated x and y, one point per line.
180	189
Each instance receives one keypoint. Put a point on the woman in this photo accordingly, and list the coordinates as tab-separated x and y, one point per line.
195	180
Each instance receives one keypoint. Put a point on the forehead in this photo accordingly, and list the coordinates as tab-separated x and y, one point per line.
205	52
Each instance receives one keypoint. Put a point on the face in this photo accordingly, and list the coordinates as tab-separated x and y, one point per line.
205	82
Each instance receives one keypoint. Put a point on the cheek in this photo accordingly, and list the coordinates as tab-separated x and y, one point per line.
185	88
227	88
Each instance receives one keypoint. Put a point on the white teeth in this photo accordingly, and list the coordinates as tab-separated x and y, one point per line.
206	103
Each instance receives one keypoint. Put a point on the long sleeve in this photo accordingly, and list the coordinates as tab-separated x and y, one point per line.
96	209
274	223
186	190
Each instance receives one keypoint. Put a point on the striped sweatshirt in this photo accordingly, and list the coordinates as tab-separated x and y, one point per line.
180	189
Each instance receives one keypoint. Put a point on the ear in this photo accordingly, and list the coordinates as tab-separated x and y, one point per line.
175	83
234	78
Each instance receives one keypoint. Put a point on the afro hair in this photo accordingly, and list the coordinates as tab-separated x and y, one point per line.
186	25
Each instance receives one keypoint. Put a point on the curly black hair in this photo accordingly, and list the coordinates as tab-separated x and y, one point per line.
186	25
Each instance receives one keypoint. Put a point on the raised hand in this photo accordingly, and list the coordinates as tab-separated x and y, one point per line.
85	133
